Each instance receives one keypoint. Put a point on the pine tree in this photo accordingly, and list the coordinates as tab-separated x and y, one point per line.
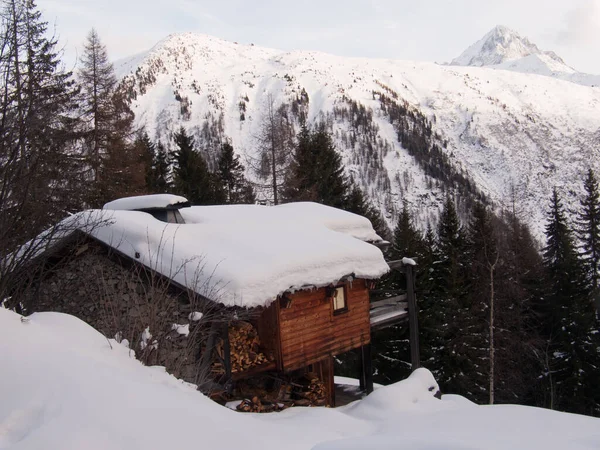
161	169
518	343
452	312
589	233
40	174
571	325
391	345
356	203
98	83
113	158
39	168
483	261
230	173
408	242
155	162
317	173
275	144
191	176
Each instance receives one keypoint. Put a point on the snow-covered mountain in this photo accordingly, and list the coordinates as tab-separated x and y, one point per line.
503	48
504	133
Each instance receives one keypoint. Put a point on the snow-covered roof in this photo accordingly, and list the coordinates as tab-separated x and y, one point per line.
244	255
145	202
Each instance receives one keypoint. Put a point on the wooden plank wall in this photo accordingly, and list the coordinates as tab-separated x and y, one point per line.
310	332
268	332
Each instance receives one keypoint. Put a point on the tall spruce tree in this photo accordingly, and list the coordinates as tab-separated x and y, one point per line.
356	203
40	174
98	83
479	329
589	234
155	162
113	159
571	326
452	306
191	177
160	170
392	359
316	172
230	174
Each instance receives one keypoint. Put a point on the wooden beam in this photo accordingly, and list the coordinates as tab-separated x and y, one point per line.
412	318
390	301
396	265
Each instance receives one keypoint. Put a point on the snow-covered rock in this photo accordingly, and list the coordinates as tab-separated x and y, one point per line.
503	48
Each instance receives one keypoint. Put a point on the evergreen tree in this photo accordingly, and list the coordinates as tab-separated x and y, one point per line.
40	174
407	241
453	358
161	168
571	325
316	172
113	159
39	168
479	329
191	176
589	233
275	145
98	82
230	173
518	344
391	356
356	203
155	161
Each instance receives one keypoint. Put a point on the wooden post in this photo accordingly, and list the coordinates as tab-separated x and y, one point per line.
367	368
361	369
413	320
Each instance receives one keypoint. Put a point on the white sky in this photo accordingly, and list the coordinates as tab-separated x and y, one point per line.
427	30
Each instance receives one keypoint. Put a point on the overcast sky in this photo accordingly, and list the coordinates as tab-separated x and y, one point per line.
427	30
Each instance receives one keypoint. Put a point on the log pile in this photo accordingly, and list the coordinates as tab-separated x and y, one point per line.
257	406
244	345
311	391
270	394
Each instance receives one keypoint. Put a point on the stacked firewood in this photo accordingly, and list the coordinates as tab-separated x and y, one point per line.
312	392
244	346
257	406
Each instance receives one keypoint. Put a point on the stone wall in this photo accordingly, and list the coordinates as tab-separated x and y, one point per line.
121	301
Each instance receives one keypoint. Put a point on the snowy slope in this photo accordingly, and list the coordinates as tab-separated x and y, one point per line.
514	134
65	386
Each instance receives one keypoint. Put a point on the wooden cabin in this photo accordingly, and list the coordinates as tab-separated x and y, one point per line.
285	298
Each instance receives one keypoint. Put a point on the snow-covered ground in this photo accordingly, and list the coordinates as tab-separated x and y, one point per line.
65	386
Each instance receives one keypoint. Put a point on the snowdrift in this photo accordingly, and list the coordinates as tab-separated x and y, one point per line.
65	386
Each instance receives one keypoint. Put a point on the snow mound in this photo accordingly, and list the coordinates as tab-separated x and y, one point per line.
416	392
66	387
145	202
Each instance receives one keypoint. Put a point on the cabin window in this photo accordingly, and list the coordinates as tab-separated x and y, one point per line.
167	215
339	300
